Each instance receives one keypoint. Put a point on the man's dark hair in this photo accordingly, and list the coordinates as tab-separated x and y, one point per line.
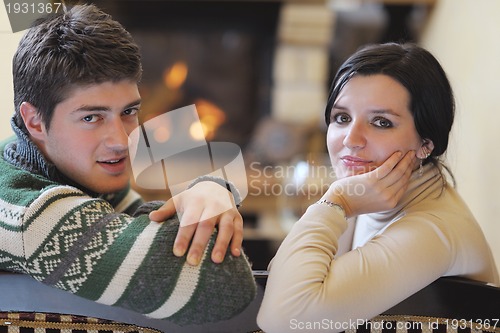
79	47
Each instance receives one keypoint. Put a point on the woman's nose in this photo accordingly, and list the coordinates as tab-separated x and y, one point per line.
355	136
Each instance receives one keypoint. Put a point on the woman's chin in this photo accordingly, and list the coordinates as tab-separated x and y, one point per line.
349	172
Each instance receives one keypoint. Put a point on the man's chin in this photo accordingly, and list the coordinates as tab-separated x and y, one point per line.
109	187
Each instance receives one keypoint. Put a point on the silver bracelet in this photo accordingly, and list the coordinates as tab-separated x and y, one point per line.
337	207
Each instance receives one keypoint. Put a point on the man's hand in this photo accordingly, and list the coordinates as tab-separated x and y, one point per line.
201	208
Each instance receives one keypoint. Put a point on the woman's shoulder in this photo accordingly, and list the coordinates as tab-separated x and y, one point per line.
446	204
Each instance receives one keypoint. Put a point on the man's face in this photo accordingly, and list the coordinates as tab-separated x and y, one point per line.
88	135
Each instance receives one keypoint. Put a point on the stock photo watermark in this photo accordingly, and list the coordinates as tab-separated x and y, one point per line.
23	14
300	179
409	324
169	152
307	179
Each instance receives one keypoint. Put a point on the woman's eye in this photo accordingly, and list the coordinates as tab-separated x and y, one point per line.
382	122
341	118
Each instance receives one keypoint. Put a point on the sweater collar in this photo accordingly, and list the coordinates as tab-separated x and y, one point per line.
24	154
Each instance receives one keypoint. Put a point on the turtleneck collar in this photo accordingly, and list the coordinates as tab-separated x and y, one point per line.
24	154
421	186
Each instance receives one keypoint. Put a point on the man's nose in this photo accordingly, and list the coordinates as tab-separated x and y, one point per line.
116	135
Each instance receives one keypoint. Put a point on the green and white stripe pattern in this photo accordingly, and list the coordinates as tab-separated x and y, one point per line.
63	237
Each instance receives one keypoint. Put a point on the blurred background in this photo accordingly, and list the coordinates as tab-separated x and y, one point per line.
258	73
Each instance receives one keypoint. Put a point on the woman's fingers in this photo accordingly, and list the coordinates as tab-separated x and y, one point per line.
376	190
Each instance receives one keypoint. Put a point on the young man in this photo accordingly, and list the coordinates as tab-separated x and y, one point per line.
68	216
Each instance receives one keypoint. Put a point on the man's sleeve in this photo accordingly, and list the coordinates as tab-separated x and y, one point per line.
82	245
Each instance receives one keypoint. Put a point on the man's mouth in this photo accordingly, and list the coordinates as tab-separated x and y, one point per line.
113	166
111	161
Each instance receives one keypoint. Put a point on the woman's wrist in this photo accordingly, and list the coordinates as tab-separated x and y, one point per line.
335	198
333	205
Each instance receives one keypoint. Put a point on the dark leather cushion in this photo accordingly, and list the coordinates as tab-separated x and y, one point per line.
453	297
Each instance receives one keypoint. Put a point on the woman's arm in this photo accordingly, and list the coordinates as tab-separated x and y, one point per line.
309	284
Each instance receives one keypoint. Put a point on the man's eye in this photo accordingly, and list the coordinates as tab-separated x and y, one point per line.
382	122
341	118
90	118
131	112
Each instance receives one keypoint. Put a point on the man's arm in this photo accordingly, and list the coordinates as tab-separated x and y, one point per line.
82	245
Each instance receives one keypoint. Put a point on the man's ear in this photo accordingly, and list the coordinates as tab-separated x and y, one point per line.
32	121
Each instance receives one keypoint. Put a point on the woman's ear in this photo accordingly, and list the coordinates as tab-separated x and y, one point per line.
425	149
32	121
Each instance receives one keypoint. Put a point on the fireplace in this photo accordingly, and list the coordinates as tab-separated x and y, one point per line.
217	55
220	56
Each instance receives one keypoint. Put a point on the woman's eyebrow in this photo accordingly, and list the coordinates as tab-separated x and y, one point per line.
339	107
386	111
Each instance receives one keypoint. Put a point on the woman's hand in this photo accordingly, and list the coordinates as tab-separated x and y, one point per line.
374	191
203	207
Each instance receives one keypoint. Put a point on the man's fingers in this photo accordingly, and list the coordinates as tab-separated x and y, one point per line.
224	236
201	237
183	238
164	212
191	215
237	239
188	225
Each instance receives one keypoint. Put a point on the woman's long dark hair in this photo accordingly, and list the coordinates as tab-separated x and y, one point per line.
431	97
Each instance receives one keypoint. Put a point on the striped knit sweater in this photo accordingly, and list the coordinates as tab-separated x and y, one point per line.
94	247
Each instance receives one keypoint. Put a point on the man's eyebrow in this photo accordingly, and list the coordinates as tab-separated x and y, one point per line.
87	108
134	103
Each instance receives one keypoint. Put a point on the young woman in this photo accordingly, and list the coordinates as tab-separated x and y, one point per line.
390	224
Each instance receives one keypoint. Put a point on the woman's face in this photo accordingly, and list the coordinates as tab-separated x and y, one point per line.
370	120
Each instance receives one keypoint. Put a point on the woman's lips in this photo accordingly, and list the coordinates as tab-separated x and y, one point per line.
354	162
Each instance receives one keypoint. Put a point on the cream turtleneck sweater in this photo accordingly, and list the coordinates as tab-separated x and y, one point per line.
330	270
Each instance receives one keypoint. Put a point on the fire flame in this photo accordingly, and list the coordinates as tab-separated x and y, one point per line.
211	117
175	76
